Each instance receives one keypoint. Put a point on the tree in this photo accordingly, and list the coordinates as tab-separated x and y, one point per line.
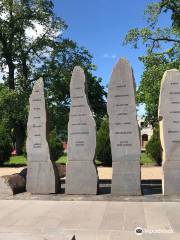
153	147
152	35
5	145
103	149
56	71
159	57
148	92
13	114
19	51
32	45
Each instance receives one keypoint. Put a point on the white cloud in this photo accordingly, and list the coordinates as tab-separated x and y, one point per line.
110	56
38	30
34	32
4	15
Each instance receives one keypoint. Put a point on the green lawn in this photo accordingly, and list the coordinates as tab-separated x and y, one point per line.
62	159
21	160
146	160
15	161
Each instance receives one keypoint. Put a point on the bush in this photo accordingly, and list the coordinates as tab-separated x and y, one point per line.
5	145
153	147
103	149
55	145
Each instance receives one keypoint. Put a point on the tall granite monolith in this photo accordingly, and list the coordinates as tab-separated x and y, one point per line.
42	175
169	117
124	131
81	173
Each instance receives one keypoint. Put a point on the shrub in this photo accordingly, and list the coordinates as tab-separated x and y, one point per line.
5	145
55	145
153	147
103	149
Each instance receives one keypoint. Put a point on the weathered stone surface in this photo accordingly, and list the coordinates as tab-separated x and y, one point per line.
13	184
124	131
42	175
81	173
169	116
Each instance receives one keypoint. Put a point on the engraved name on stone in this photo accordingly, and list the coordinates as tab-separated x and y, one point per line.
42	175
124	132
81	174
169	116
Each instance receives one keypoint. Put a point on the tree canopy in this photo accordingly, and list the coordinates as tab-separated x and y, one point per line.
32	45
153	35
160	56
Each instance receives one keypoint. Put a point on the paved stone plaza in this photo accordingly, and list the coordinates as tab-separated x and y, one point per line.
90	220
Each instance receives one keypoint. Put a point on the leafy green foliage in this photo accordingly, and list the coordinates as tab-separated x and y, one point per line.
158	58
57	72
152	35
103	148
24	58
55	145
153	147
13	114
148	92
5	146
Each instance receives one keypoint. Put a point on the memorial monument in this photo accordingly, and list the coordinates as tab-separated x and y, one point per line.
169	117
81	173
124	131
42	175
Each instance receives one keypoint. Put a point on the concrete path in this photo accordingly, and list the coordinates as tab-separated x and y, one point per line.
146	172
88	220
9	170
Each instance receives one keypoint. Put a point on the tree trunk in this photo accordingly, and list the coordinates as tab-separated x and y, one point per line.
11	81
20	138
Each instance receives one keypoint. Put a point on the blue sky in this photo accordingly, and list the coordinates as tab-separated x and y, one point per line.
101	25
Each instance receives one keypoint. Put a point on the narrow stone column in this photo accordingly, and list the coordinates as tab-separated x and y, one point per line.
42	175
169	117
81	173
124	131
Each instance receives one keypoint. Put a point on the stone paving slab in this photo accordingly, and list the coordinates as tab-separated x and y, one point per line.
49	220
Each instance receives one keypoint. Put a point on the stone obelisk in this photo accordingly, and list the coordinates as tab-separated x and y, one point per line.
81	173
124	131
42	175
169	117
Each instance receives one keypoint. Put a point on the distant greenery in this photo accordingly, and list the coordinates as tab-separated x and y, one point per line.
62	159
147	160
16	160
153	148
163	52
5	146
55	146
24	58
21	160
103	149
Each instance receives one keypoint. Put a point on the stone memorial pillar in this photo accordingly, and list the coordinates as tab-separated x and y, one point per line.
169	117
42	175
124	131
81	173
